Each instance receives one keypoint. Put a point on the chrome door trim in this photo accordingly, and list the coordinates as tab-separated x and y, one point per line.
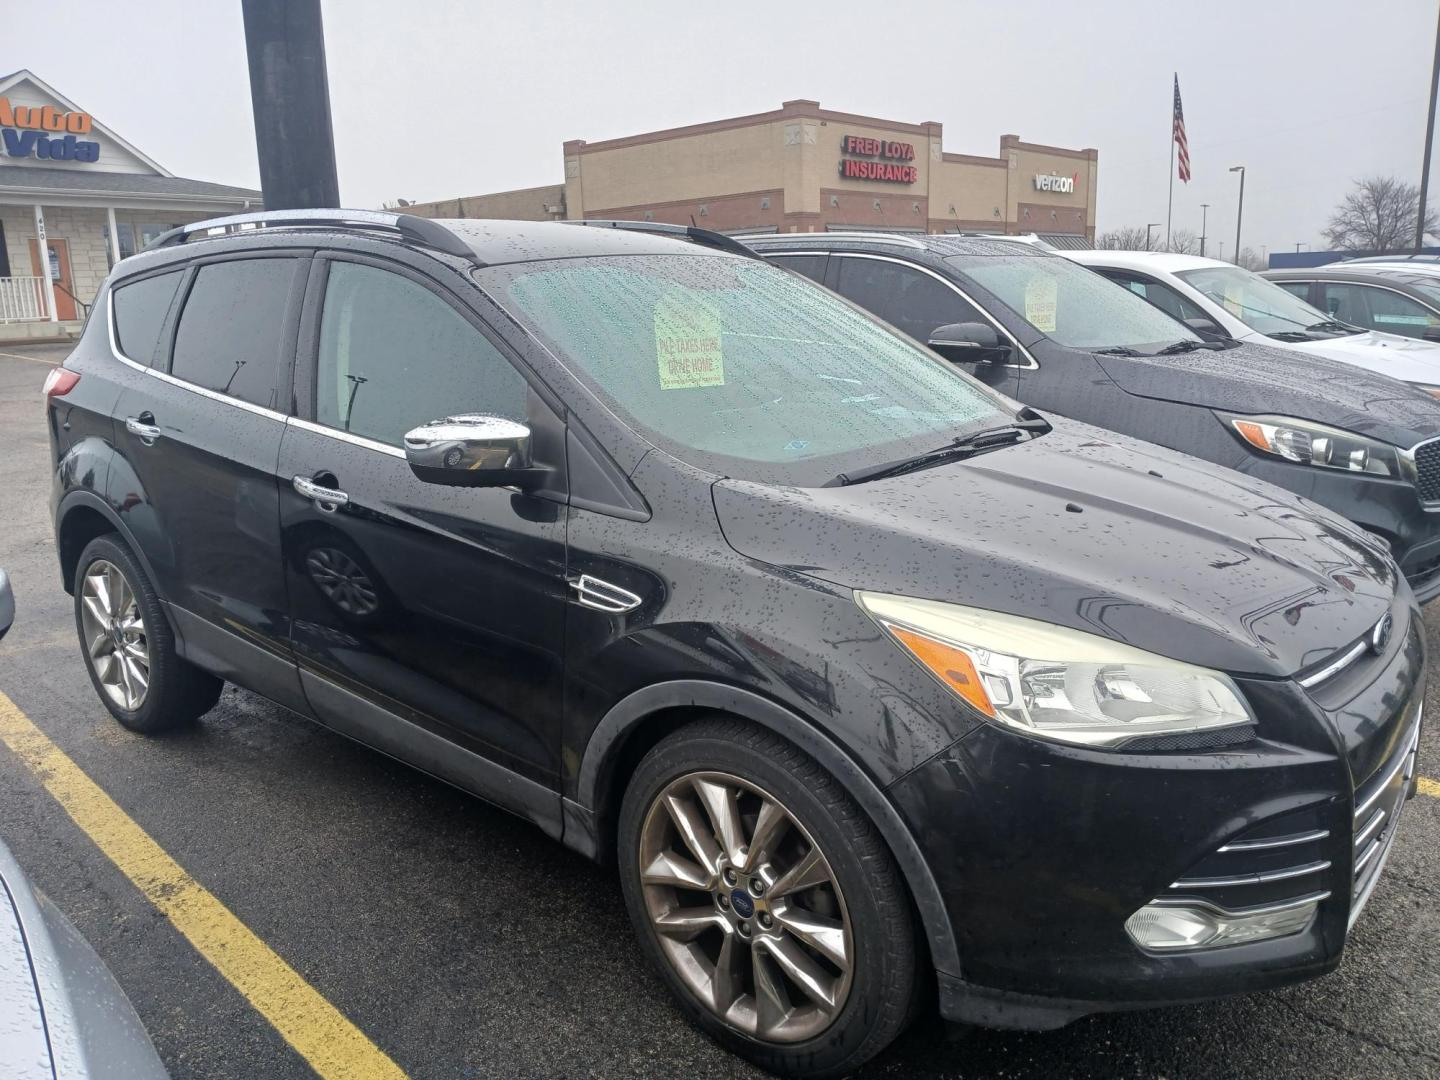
346	437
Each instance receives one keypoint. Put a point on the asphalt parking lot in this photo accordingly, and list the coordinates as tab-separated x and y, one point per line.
463	943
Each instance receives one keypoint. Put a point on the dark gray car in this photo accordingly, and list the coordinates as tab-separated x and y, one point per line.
1391	299
1063	339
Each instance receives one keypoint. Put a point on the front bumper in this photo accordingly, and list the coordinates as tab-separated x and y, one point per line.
1043	851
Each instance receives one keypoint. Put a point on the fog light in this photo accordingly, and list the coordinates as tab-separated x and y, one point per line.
1165	927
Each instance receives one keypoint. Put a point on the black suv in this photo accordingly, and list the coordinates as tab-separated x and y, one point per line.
871	680
1060	337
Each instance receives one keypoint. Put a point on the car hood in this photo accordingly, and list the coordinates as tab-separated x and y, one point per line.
1094	531
1407	359
1261	379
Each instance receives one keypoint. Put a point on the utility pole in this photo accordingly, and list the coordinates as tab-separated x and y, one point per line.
1156	225
1239	209
1222	250
1429	137
290	95
1204	216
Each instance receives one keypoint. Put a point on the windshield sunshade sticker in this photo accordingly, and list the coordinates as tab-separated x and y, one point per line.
1041	294
687	344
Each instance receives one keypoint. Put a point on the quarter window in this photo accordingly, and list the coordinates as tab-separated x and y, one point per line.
906	298
140	310
230	332
393	356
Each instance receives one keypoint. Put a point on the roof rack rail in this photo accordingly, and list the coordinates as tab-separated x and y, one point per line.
697	235
417	230
909	239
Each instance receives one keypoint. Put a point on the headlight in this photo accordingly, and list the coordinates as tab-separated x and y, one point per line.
1308	443
1055	683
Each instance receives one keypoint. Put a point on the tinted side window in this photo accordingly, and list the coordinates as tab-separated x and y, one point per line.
230	331
906	298
1162	296
812	266
1347	303
1296	288
393	356
1397	314
140	309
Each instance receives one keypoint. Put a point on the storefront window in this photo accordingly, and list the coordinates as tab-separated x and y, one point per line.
150	232
126	235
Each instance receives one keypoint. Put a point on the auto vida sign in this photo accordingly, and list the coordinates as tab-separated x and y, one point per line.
47	133
1051	182
858	163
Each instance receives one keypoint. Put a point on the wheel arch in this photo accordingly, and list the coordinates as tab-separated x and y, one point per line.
80	518
641	719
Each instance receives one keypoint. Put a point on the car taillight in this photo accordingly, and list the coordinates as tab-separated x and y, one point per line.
60	382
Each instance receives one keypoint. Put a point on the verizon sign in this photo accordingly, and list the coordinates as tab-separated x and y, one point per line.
1050	182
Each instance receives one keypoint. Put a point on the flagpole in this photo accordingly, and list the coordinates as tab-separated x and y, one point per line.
1170	209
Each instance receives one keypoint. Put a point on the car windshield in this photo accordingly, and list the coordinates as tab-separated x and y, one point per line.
1428	289
1259	304
1072	305
741	368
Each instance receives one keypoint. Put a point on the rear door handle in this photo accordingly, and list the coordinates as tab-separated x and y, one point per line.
143	427
326	499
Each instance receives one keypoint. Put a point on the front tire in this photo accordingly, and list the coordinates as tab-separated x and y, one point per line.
767	900
128	645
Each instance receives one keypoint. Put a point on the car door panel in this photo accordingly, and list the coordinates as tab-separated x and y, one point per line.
441	607
195	476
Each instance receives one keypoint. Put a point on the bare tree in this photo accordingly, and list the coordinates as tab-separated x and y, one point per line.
1128	238
1250	259
1184	242
1378	215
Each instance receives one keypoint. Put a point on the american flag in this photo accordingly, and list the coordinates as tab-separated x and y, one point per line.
1180	135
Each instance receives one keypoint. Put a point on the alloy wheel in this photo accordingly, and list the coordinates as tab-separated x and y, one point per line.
745	907
342	581
116	643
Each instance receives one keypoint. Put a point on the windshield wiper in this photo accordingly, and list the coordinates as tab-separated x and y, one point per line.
960	447
1334	326
1116	350
1188	346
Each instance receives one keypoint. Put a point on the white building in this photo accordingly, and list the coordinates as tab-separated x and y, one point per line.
72	186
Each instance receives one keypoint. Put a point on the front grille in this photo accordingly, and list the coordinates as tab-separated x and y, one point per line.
1378	803
1427	470
1280	861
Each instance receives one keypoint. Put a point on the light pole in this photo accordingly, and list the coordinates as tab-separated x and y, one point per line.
1239	209
1429	138
1156	225
1204	216
1298	245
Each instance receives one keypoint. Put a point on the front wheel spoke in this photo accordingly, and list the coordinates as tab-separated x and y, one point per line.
675	870
115	587
818	986
772	1000
825	936
728	982
105	668
126	687
96	608
720	804
99	645
689	822
686	924
810	871
771	825
139	673
97	586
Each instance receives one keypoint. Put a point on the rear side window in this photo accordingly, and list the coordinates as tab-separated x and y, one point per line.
231	328
1296	288
140	310
812	266
908	299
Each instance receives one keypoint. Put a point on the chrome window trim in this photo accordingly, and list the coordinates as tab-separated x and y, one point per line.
346	437
1031	366
166	377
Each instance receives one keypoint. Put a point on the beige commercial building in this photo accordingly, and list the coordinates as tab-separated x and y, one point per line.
801	168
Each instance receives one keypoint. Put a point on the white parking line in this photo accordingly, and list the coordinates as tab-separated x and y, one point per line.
32	359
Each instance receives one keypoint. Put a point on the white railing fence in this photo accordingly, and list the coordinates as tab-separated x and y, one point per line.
22	298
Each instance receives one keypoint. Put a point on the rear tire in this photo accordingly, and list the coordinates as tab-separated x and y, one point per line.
799	951
128	646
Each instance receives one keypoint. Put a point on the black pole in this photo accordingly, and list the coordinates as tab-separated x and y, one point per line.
1429	137
1239	212
291	99
1204	217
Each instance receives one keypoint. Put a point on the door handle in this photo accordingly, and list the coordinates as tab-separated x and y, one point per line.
326	499
143	427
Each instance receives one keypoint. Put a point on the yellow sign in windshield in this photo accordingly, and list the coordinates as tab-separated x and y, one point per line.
1040	299
687	344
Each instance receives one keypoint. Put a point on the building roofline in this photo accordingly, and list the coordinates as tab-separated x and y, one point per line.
26	74
1013	142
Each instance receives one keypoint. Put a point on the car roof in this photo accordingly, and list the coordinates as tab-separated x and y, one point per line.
938	244
1165	262
1391	275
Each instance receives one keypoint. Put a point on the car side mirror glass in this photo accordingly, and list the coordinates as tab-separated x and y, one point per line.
472	451
1206	328
969	342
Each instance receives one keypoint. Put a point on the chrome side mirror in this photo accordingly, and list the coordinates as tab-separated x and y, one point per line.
472	451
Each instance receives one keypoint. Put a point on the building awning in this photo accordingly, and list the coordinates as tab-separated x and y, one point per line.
79	187
1065	241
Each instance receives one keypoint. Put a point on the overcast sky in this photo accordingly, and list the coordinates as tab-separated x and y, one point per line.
434	99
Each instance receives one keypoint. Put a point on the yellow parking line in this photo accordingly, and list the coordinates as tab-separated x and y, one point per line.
1429	787
334	1047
